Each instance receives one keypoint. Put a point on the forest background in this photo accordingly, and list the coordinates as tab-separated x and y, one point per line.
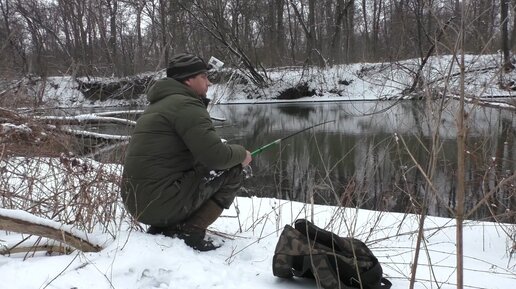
126	37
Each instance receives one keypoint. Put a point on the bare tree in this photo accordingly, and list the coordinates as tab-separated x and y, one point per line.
33	17
106	37
280	30
366	25
217	27
507	65
112	6
15	51
165	50
377	10
138	6
343	21
310	30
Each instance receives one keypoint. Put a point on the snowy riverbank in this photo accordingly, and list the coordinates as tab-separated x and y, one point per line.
354	82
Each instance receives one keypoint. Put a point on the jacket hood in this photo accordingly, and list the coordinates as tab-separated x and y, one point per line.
167	86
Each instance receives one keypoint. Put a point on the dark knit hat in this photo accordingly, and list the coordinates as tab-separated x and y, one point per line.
185	65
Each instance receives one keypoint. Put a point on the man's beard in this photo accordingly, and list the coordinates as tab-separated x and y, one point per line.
205	101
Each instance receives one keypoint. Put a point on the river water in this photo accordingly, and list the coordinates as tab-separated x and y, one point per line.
389	156
376	155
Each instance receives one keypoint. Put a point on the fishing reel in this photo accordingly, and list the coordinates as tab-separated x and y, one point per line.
247	171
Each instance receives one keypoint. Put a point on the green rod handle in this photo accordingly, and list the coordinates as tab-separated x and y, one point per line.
261	149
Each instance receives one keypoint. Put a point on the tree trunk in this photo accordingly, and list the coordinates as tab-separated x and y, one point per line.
507	65
64	8
418	15
76	35
35	64
306	29
5	9
377	8
366	30
269	54
312	32
138	63
39	227
336	41
280	31
461	151
513	31
113	8
349	29
292	29
164	39
83	38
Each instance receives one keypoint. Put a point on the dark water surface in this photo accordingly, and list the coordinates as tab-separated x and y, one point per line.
375	155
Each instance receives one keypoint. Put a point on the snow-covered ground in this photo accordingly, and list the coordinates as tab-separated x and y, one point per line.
138	260
133	259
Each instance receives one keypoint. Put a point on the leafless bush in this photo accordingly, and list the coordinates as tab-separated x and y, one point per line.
18	93
40	174
21	135
67	189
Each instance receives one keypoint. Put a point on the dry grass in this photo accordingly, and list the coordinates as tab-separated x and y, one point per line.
23	136
40	174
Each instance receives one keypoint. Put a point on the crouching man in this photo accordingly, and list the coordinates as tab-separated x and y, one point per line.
166	181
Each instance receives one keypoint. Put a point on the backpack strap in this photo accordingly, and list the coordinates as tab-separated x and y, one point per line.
386	284
293	243
370	279
318	235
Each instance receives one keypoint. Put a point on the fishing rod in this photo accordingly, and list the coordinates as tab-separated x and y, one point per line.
261	149
246	170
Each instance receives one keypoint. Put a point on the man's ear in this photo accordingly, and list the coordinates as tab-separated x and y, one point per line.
188	82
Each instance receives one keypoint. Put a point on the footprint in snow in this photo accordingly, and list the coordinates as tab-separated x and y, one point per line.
157	278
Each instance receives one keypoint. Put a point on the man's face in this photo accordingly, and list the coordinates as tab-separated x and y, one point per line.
199	84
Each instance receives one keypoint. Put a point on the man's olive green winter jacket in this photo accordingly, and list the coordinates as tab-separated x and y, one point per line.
172	140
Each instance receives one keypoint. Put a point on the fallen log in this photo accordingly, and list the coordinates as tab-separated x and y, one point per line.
25	223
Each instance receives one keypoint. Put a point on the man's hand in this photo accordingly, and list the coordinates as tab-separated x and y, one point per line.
248	159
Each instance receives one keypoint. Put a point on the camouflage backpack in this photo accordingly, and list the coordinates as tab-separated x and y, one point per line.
334	262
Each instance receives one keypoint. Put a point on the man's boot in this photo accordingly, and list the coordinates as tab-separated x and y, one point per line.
195	239
193	230
153	230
